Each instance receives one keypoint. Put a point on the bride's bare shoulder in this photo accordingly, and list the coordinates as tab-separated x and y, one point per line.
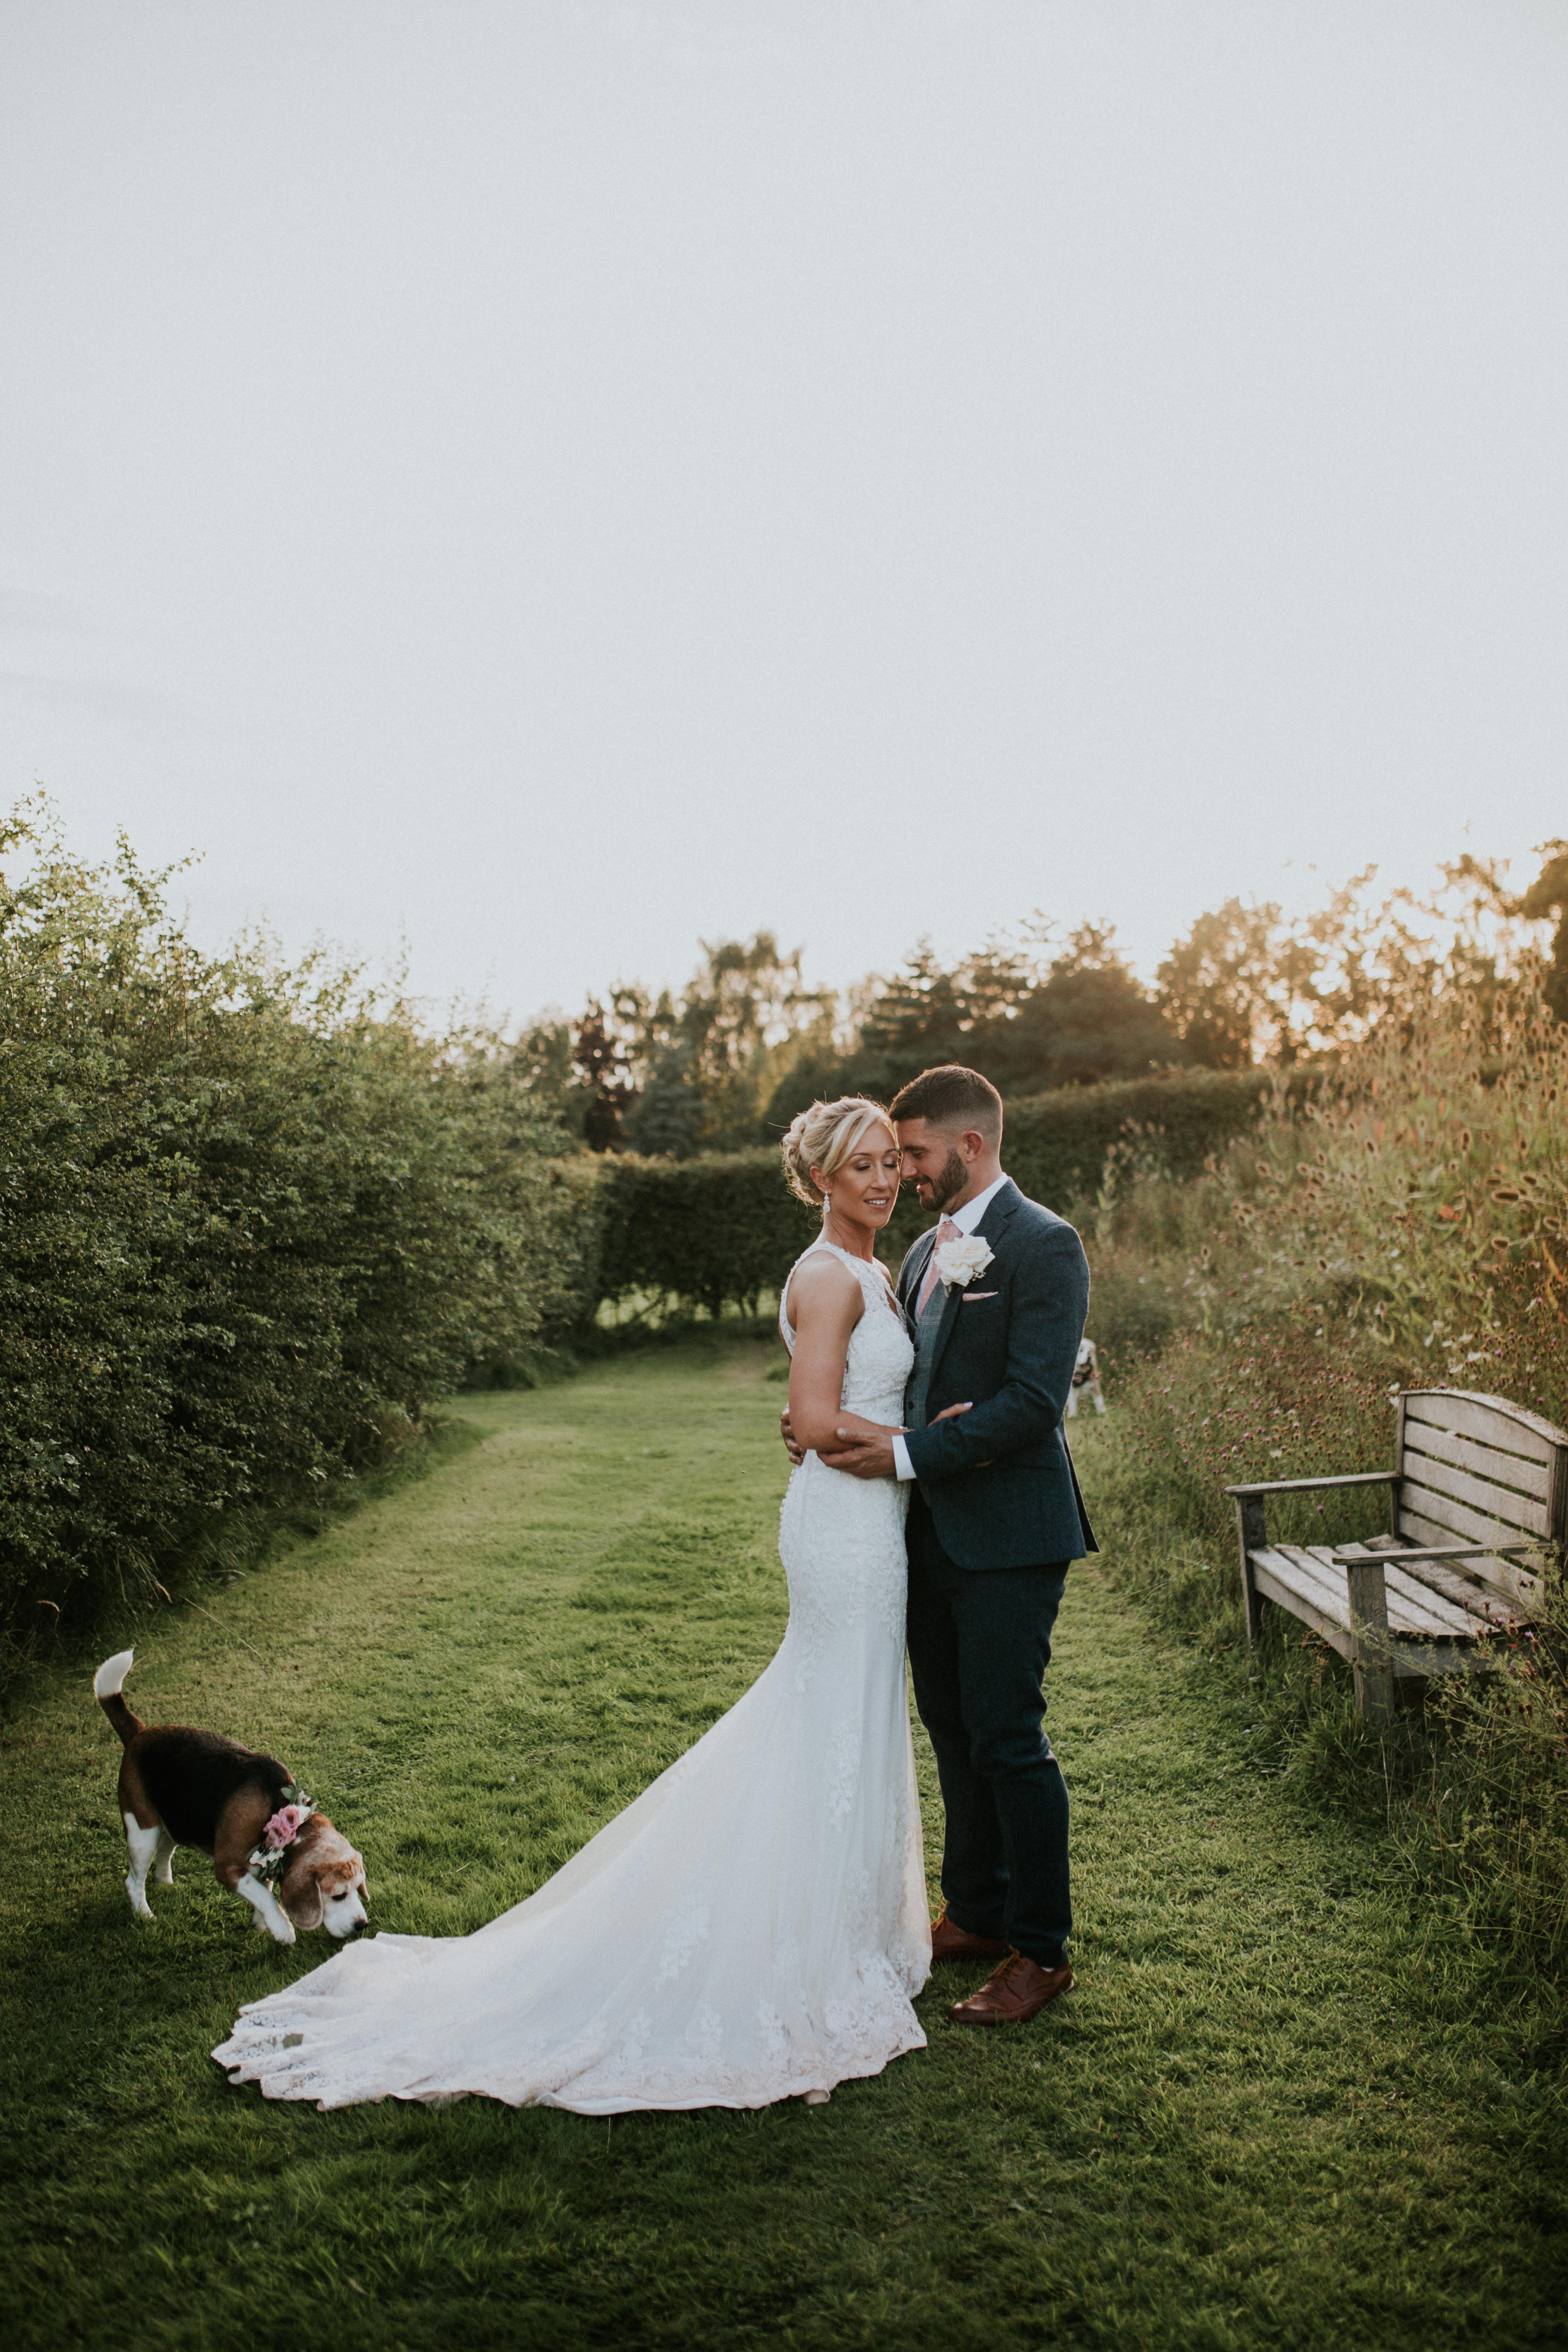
821	1284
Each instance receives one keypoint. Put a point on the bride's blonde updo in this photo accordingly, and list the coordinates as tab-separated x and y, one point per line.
824	1136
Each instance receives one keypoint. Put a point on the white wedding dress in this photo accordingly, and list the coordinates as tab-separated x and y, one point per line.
752	1926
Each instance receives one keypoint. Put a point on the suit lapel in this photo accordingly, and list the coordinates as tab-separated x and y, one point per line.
1000	1211
990	1230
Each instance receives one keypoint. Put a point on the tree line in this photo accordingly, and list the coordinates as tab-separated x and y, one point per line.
725	1063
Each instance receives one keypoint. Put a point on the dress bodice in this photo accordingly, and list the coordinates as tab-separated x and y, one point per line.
880	1351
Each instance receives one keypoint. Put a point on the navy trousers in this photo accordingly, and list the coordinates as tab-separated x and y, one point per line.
980	1641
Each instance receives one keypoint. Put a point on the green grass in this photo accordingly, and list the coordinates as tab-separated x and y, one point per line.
1276	2112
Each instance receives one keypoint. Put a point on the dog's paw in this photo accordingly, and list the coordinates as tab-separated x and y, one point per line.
139	1903
284	1934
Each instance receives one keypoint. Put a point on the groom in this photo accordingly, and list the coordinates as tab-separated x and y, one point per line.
996	1297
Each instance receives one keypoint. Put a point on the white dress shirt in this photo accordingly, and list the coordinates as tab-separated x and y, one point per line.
966	1219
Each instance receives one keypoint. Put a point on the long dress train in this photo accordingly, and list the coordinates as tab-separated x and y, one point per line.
754	1926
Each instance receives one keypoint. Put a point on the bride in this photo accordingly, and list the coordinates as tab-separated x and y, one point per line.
753	1927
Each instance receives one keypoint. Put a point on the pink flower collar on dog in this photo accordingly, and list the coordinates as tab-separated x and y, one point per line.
270	1859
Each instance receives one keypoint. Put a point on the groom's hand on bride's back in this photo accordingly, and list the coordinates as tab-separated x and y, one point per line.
786	1430
868	1453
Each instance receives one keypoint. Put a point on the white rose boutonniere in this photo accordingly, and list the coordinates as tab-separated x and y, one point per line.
960	1263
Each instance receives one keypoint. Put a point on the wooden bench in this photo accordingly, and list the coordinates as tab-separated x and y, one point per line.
1478	1512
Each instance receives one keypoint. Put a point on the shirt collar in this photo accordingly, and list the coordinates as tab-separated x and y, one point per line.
968	1218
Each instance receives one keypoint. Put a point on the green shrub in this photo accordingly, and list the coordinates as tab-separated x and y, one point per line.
249	1227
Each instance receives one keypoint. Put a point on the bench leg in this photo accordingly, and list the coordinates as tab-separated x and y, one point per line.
1251	1535
1369	1624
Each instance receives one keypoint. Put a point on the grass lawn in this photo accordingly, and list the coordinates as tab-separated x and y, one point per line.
1274	2112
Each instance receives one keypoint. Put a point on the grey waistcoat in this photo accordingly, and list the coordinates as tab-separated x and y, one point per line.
919	1386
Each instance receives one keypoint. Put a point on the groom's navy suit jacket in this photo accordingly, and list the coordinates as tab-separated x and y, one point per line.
999	1481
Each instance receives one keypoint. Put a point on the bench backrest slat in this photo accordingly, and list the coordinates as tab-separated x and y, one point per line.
1464	1453
1520	1514
1476	1469
1491	1419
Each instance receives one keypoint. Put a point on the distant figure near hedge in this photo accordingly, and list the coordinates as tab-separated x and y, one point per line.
1085	1376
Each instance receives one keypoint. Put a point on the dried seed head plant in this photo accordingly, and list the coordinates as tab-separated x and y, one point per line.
1401	1218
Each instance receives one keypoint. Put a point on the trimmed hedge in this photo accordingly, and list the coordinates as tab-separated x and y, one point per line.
1057	1143
718	1231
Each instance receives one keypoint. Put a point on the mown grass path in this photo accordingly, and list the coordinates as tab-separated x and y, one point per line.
1263	2118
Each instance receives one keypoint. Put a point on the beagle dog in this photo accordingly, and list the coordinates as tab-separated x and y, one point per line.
179	1787
1085	1376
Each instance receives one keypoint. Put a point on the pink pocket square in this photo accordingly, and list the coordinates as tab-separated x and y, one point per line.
968	1295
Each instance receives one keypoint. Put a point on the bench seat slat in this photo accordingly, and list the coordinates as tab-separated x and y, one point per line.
1311	1577
1279	1579
1415	1656
1308	1573
1457	1587
1445	1580
1507	1581
1312	1561
1411	1609
1406	1612
1312	1572
1452	1616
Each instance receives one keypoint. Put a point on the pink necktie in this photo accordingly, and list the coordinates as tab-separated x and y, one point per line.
946	1232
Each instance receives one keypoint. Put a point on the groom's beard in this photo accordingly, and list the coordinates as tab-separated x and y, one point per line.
950	1183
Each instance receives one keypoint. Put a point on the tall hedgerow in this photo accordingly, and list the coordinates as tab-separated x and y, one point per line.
251	1222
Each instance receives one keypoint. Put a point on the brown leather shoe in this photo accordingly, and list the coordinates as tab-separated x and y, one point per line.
949	1941
1018	1990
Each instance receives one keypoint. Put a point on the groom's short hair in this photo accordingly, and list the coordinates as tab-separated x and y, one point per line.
951	1099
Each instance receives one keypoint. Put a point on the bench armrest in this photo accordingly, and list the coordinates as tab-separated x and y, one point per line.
1310	1486
1411	1555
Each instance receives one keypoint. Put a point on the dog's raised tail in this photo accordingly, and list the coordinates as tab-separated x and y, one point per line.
107	1685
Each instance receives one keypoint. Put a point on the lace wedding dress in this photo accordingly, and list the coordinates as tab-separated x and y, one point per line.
752	1926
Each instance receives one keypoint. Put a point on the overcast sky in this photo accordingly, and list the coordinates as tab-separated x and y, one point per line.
555	480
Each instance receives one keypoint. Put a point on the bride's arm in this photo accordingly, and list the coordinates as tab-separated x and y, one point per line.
825	1305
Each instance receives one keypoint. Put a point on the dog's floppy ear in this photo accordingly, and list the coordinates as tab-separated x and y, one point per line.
299	1892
